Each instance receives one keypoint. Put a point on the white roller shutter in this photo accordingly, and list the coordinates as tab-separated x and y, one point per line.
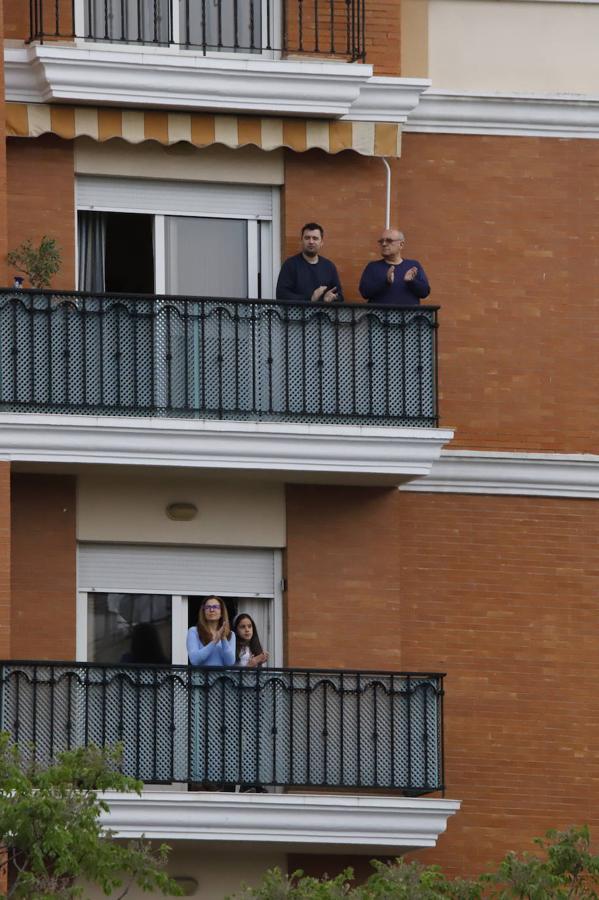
175	198
160	569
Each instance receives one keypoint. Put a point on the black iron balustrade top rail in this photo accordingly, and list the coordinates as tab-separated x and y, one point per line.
334	28
247	360
288	727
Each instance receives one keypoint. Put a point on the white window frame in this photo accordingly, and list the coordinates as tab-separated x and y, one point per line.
145	49
262	245
179	611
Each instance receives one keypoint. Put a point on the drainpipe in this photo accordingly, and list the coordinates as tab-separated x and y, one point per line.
388	206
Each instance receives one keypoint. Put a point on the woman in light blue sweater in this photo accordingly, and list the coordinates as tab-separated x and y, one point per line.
211	642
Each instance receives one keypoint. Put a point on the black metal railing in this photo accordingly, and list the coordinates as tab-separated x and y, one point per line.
333	28
289	727
68	352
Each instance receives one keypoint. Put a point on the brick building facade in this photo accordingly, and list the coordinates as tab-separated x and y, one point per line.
462	546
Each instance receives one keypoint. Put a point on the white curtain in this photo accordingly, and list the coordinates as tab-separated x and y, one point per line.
91	237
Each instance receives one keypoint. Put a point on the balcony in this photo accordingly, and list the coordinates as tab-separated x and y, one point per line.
293	728
258	57
218	359
346	756
219	383
325	28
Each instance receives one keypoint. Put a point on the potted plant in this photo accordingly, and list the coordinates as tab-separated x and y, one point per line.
39	264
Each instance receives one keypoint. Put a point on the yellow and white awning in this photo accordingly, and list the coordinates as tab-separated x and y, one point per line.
202	129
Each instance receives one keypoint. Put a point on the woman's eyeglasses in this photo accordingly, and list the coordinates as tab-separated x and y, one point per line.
212	608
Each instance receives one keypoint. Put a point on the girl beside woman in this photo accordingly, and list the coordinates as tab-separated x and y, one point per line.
249	653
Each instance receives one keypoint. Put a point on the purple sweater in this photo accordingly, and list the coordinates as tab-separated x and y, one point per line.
375	288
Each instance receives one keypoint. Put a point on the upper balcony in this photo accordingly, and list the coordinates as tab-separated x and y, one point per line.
275	57
346	391
318	28
326	743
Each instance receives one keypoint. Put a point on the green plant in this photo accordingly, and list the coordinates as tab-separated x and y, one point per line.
39	264
51	833
566	869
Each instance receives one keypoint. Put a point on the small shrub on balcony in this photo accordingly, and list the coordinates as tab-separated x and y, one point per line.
39	264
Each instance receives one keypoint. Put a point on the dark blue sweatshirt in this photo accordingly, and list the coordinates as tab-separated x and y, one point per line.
299	279
375	288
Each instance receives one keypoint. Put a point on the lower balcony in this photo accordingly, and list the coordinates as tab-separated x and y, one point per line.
293	728
313	740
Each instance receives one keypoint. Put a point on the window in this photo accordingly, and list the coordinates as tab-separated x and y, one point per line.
210	240
136	601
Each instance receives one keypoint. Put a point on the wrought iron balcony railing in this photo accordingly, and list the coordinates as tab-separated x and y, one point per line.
332	28
348	363
288	727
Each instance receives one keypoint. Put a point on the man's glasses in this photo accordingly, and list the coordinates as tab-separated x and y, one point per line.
212	608
388	240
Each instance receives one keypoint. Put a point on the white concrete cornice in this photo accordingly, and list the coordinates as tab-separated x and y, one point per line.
534	474
344	453
385	99
329	821
176	79
173	79
524	115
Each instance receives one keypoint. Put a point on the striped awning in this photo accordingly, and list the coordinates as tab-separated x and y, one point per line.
202	129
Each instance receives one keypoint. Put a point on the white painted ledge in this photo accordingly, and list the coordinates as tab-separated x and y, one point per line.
524	115
344	453
289	821
526	474
182	80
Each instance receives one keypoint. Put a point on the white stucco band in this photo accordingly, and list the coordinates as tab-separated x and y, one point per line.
328	822
349	454
523	115
528	474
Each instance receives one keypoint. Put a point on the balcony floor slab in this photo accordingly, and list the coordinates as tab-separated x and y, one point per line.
345	454
177	79
319	822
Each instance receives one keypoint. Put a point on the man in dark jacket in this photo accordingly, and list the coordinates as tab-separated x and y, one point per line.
308	277
394	280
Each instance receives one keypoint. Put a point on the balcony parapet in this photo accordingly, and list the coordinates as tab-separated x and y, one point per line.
294	728
194	357
345	394
329	28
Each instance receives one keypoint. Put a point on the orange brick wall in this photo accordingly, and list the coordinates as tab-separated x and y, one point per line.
44	580
5	541
41	198
342	580
505	228
16	19
501	593
383	36
382	33
498	592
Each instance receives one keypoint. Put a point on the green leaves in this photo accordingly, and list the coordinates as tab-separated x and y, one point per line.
38	263
565	870
50	827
